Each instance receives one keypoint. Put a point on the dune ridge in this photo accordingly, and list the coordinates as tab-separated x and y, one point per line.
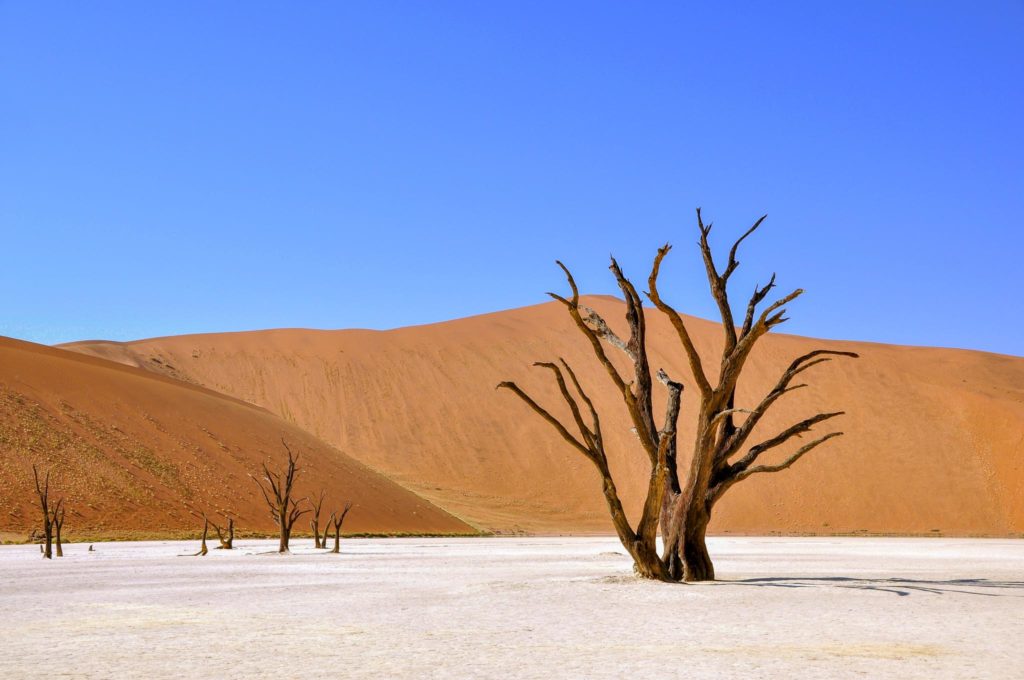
934	438
134	451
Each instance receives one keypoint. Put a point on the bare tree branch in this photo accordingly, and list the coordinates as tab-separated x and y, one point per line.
596	421
797	366
543	413
803	450
733	263
283	508
781	438
682	512
585	431
759	295
606	333
573	305
696	367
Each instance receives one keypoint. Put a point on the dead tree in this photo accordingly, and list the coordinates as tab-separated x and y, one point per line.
58	524
336	521
277	492
720	457
206	529
226	538
43	493
327	531
314	522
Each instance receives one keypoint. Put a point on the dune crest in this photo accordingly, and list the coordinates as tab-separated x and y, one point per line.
132	451
934	437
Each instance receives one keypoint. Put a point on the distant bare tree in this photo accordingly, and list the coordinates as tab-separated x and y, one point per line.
58	524
277	492
314	522
43	493
206	529
226	537
720	456
336	520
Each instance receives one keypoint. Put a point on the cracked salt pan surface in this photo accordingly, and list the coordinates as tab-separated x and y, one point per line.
515	607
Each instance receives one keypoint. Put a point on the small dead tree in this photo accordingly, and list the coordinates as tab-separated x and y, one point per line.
721	457
277	492
226	537
327	531
314	522
336	521
58	525
43	493
206	529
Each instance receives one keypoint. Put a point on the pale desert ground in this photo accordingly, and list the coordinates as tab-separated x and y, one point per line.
515	607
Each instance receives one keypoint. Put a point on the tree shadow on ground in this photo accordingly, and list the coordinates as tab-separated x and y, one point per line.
897	586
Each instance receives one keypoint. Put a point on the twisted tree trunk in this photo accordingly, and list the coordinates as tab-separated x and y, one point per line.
693	549
721	457
226	539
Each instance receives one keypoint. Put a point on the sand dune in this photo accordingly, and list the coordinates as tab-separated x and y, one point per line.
132	448
934	444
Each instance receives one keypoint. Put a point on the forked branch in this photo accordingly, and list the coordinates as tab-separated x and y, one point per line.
800	453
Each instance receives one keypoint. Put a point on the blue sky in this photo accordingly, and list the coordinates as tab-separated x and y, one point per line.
173	168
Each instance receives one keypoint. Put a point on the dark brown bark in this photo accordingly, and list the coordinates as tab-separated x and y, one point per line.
336	521
314	522
277	492
693	553
43	493
58	525
682	511
659	444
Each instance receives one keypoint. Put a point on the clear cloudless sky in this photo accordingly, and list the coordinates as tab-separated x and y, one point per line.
181	167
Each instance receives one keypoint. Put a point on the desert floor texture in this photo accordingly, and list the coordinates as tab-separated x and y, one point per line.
515	607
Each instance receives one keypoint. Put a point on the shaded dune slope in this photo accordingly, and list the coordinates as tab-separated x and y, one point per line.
133	450
934	443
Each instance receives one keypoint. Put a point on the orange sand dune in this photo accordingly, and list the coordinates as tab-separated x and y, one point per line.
131	449
935	437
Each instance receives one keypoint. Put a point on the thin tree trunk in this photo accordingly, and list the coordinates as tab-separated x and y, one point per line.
337	520
337	540
314	522
57	542
203	549
44	505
